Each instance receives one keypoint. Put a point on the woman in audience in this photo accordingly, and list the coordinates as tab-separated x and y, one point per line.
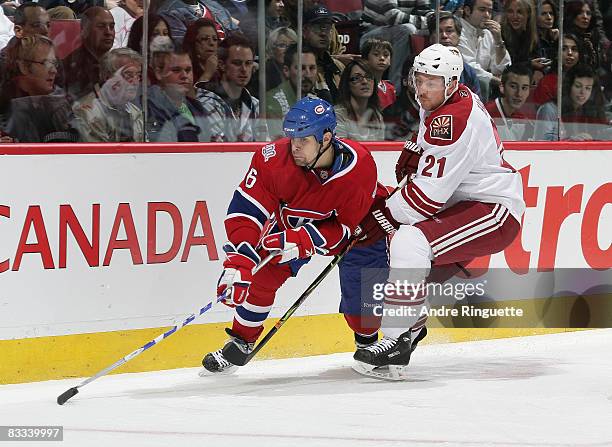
201	42
546	90
579	21
358	110
276	45
32	108
520	34
582	115
548	33
159	33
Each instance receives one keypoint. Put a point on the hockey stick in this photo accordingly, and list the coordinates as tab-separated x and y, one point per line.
63	398
233	353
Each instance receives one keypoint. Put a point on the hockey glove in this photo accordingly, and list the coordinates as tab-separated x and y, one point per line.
292	244
408	162
237	272
377	224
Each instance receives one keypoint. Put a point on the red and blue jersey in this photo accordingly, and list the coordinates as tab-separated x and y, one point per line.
329	203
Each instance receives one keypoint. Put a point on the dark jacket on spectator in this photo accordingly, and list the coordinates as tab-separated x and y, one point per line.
166	123
82	73
35	119
179	15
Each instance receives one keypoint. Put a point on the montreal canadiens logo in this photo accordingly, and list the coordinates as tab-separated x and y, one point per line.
442	127
319	110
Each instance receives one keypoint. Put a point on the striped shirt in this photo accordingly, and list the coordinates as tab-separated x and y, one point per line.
396	12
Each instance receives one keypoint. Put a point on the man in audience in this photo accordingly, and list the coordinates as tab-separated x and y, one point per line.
280	99
29	19
174	116
108	114
481	44
318	34
508	111
231	109
83	64
450	30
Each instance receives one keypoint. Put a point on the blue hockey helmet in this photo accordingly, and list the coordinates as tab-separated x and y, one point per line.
310	116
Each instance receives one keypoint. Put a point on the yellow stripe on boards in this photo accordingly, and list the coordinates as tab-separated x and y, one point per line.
82	355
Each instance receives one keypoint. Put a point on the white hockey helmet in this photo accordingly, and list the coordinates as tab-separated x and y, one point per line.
439	60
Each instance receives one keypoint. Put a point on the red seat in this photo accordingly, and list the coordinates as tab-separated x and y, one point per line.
66	36
344	6
418	43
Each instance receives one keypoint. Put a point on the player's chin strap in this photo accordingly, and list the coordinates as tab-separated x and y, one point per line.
319	154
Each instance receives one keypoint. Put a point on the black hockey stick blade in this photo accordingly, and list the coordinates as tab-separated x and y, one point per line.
63	398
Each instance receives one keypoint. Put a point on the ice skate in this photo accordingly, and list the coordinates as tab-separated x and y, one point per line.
215	362
388	358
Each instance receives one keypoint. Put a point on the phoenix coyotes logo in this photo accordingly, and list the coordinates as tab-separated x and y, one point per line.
442	127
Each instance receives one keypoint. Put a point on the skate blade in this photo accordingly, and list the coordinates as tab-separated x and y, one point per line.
226	372
392	373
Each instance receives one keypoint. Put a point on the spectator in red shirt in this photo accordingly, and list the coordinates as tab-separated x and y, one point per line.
377	53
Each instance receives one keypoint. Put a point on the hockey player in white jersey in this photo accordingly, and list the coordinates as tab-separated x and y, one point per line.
462	201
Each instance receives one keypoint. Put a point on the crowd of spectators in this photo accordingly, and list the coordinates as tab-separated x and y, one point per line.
204	63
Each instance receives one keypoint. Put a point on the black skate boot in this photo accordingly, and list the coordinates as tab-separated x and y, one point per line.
215	362
385	359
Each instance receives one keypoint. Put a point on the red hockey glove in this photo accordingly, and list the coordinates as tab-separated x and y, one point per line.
408	162
377	224
292	244
237	272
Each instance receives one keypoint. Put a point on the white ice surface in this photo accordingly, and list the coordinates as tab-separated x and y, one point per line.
533	391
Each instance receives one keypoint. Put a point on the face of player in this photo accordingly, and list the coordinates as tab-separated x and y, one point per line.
36	22
101	35
429	90
305	150
570	53
482	11
546	18
515	90
176	76
38	73
238	68
207	42
318	35
280	47
580	91
309	72
449	37
517	16
583	20
379	60
361	83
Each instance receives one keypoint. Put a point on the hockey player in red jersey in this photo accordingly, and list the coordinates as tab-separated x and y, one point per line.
302	195
462	201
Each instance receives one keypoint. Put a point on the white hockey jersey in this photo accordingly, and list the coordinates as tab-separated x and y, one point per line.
462	160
